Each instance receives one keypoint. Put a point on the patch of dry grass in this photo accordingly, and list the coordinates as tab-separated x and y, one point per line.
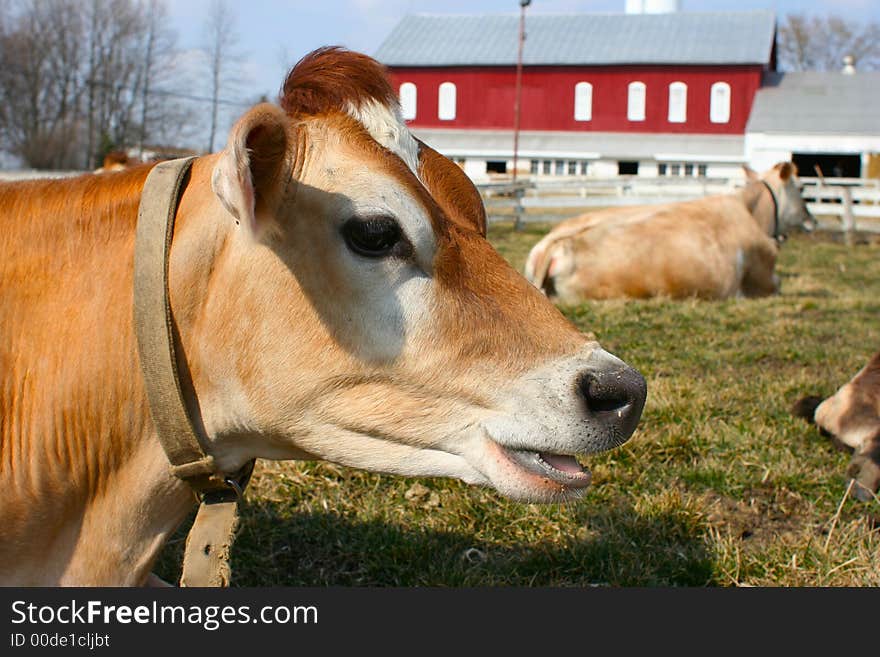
720	486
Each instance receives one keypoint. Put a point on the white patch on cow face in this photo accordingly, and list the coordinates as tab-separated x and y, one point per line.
390	298
382	301
387	127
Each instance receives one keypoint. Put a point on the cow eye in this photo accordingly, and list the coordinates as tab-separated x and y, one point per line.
373	237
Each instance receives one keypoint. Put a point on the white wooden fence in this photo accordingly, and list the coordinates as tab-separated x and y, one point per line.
846	204
837	203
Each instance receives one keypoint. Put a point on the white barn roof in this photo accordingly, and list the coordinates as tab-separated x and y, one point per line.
815	102
582	39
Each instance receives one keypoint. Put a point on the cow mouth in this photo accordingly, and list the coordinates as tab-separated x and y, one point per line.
561	468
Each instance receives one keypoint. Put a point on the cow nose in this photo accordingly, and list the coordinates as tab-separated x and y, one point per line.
615	398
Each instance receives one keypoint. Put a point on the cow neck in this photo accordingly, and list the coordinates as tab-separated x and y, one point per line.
207	551
775	200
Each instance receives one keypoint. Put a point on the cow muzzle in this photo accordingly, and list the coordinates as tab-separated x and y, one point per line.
569	408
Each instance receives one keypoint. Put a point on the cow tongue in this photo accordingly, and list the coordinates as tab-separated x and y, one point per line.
562	462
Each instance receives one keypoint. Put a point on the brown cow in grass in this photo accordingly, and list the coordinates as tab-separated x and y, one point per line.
851	418
335	298
711	248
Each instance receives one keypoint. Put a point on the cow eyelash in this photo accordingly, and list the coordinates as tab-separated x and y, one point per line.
375	237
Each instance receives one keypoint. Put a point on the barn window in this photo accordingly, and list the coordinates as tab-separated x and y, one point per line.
408	100
583	101
678	102
719	103
446	102
635	106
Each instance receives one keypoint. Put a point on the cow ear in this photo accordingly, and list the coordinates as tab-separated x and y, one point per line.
751	174
786	170
452	189
248	176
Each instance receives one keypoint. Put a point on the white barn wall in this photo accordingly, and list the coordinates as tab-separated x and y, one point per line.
765	150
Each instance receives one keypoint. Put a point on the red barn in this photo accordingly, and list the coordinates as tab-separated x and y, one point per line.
601	94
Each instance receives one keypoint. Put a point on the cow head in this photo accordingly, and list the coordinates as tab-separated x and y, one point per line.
791	209
358	314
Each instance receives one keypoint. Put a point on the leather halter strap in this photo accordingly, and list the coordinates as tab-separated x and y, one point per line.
207	553
775	209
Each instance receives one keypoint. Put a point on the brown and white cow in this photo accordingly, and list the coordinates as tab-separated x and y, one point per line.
711	248
851	418
335	298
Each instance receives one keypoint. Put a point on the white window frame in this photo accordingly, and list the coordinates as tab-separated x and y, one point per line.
408	100
583	101
446	99
636	100
719	110
678	102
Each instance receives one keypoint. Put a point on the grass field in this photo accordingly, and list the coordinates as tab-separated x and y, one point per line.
719	486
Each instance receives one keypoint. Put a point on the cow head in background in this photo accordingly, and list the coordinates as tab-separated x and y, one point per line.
789	205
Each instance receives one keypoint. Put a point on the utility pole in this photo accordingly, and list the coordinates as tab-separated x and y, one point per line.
517	103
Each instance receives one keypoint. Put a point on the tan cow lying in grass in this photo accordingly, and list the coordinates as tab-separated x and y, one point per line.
335	298
851	418
711	248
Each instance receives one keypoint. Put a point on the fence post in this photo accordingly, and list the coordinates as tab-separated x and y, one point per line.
849	219
518	192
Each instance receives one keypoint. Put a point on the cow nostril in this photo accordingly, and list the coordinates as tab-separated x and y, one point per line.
606	392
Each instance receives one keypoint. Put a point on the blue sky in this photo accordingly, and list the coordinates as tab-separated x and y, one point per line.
274	34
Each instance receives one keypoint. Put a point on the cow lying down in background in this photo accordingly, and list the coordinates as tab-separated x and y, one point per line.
851	418
712	248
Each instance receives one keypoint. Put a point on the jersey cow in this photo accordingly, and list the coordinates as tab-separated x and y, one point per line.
711	248
851	418
333	296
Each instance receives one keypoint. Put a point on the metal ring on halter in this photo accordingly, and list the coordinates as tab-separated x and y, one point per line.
235	486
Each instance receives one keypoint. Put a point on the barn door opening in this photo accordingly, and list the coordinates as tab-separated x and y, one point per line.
833	165
627	168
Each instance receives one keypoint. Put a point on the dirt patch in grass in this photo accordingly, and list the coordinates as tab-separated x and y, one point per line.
771	515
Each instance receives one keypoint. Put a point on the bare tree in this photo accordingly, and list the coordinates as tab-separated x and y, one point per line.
820	43
114	74
160	76
223	59
39	86
79	78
